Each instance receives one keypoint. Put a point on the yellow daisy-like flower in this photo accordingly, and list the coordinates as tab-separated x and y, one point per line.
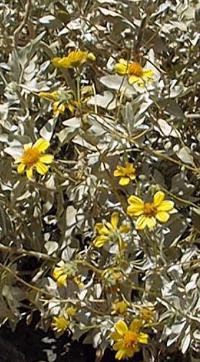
149	212
64	271
126	173
110	231
135	72
62	100
60	323
119	307
126	339
33	157
73	60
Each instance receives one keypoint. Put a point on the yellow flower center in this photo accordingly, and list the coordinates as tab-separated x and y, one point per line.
130	339
30	157
135	69
149	209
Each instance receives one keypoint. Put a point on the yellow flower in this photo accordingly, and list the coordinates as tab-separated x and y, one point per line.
135	72
110	231
71	311
60	323
127	173
33	157
63	271
62	100
149	212
119	307
147	314
127	340
74	59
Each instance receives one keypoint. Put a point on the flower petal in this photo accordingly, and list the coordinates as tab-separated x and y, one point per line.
135	200
41	144
121	354
41	168
143	338
162	216
151	222
124	181
29	173
121	69
158	198
114	220
21	168
134	210
99	241
46	159
141	222
136	325
165	206
121	327
124	228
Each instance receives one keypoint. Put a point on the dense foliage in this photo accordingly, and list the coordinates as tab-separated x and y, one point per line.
100	170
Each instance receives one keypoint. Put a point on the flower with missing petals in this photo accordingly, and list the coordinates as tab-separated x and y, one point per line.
110	231
126	173
74	59
135	72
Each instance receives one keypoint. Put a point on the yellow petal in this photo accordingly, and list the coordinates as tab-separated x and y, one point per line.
143	338
100	241
148	73
124	181
91	56
151	222
29	173
46	159
114	220
165	205
21	168
162	216
141	223
41	168
124	228
115	336
41	144
121	354
135	210
121	69
62	280
133	79
158	198
104	230
134	200
121	327
135	325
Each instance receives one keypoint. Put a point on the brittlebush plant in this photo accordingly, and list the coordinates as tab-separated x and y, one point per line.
99	174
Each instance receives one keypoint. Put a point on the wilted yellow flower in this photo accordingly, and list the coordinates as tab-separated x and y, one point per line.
127	173
63	271
73	60
119	307
135	72
110	231
149	212
33	157
71	311
62	100
60	323
147	314
126	339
